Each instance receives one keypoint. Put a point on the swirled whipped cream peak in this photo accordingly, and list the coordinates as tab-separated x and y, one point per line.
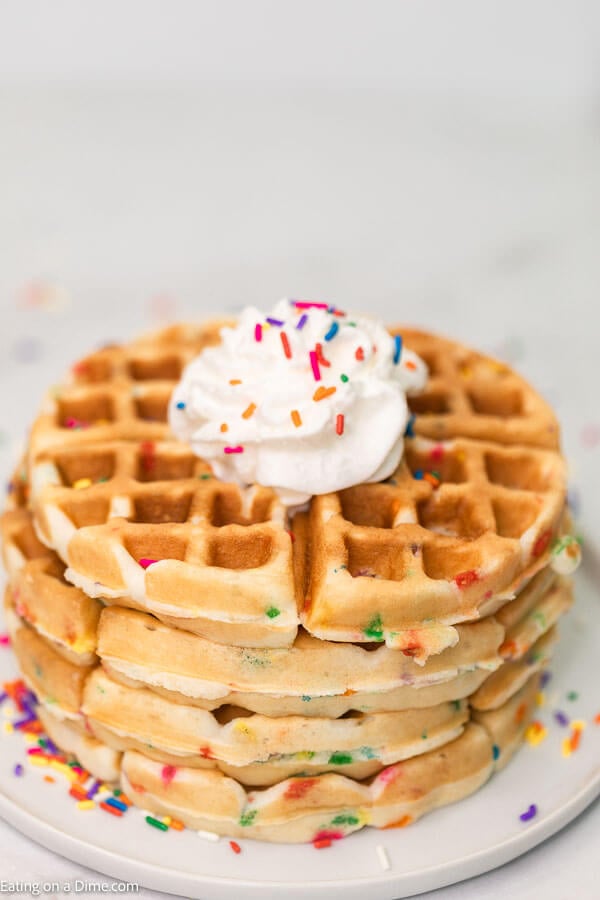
306	400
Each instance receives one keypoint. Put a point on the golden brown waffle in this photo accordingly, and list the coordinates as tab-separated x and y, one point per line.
109	489
41	596
405	560
474	396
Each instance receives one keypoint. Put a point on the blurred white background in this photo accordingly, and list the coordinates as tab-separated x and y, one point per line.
434	162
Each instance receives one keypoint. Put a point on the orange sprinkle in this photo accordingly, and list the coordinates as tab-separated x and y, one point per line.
285	344
125	799
575	740
520	714
78	792
428	476
322	392
175	823
322	844
49	778
234	381
296	419
360	354
224	427
235	846
111	809
339	424
249	411
320	357
597	719
409	364
400	823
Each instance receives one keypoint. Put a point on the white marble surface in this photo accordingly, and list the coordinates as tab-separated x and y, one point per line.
123	207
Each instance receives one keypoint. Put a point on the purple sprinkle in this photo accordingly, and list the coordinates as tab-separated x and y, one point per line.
277	322
18	770
93	790
529	813
545	678
51	747
3	697
561	718
302	321
20	723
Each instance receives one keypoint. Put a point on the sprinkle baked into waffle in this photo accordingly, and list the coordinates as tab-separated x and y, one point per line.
140	521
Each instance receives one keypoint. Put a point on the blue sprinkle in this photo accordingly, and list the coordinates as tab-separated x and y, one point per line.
397	349
276	322
418	474
332	331
116	804
302	321
545	678
410	427
495	751
561	718
180	405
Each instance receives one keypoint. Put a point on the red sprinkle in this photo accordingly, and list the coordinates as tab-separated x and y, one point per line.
466	579
144	563
339	424
4	640
235	846
320	357
298	787
314	362
542	543
238	449
206	753
306	304
285	344
111	809
322	844
258	332
360	354
168	774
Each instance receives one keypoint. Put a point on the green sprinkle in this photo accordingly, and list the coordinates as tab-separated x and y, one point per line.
156	823
572	695
456	704
306	698
345	819
340	759
540	618
367	752
247	818
374	629
273	612
424	736
344	378
204	477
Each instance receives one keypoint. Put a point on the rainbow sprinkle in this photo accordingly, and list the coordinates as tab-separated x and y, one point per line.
286	345
238	449
249	411
296	419
323	392
258	332
397	349
332	332
339	424
302	321
314	362
529	813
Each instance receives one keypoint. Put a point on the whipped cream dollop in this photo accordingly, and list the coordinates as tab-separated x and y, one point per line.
306	400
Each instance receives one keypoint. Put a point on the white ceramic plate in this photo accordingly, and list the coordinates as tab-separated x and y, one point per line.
446	846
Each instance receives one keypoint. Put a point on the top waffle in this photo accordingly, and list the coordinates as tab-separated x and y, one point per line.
140	520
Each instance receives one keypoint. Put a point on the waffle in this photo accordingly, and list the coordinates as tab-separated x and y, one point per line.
41	596
332	806
134	646
496	690
469	514
97	758
259	749
57	683
405	560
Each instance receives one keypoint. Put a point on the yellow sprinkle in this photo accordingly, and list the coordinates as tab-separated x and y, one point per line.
540	699
249	411
244	729
64	769
167	820
303	754
535	734
38	761
578	725
7	727
566	747
296	419
82	483
30	738
105	787
86	804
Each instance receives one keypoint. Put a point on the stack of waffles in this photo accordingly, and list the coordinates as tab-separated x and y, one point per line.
373	657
